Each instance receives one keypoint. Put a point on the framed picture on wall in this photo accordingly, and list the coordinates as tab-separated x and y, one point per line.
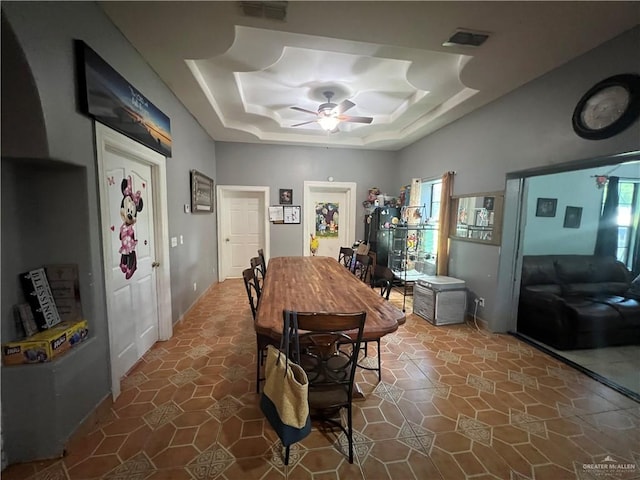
488	203
292	214
286	196
108	97
201	193
572	217
546	207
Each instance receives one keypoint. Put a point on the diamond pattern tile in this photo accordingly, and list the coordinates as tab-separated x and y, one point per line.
454	403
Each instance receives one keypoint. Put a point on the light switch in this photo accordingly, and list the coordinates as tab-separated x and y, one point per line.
181	240
187	208
174	242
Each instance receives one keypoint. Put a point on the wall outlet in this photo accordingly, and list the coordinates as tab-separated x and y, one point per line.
195	286
480	301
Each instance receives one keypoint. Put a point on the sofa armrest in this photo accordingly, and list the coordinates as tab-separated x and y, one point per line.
547	317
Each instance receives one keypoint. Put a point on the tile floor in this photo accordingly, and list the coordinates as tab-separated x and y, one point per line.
454	403
618	364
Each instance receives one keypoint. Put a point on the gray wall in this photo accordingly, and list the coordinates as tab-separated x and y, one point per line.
278	166
45	32
530	127
547	235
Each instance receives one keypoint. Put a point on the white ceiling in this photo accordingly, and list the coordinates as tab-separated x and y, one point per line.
240	75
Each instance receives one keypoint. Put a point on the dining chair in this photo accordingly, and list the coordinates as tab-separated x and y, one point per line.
329	357
362	266
381	277
262	261
345	256
253	293
256	266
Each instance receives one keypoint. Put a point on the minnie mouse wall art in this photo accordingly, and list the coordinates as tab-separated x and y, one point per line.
129	207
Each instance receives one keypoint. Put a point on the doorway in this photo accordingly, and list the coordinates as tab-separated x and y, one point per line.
243	227
330	215
531	231
134	226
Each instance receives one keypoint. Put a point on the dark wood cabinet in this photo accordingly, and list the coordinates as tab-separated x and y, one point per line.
377	231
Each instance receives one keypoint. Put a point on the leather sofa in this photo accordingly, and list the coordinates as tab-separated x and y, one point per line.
577	301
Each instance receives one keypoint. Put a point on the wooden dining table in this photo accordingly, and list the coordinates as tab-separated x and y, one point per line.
321	284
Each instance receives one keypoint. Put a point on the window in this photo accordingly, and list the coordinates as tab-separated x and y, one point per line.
628	210
430	201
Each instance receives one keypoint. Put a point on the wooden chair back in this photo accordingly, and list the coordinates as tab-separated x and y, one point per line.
382	277
345	256
362	266
263	261
253	290
256	266
327	353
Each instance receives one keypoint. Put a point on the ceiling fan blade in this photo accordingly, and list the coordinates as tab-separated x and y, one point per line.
303	123
347	118
343	106
304	110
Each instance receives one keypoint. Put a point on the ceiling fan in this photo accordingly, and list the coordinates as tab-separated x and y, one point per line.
329	114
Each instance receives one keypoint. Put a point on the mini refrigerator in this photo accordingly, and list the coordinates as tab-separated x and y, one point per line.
440	300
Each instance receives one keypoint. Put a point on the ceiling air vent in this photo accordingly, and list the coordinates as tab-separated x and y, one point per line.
272	10
466	38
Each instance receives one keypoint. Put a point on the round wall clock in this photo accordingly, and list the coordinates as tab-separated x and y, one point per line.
608	107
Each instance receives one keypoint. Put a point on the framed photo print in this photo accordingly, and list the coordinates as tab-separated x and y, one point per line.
108	97
276	214
572	217
286	196
201	193
292	214
488	203
546	207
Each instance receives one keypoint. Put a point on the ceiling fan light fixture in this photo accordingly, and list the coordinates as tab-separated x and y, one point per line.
328	123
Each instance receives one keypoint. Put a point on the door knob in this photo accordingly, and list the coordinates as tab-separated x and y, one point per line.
226	239
155	264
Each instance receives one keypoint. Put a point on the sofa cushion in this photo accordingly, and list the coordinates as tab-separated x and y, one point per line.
589	269
550	288
591	289
593	316
537	270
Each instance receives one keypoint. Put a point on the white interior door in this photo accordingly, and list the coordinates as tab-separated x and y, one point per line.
132	292
330	215
131	256
243	227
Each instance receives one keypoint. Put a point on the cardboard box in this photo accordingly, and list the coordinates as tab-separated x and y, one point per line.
44	346
38	294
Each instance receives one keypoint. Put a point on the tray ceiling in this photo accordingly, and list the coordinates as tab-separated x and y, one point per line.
239	75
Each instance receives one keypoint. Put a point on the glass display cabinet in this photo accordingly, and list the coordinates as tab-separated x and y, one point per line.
477	217
412	253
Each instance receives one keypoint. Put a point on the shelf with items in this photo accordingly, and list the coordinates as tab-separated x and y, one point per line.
412	254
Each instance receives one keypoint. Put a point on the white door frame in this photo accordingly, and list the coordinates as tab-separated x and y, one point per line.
221	203
349	188
108	139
